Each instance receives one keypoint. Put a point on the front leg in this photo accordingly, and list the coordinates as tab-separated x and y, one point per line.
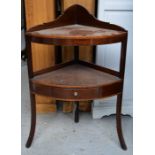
119	123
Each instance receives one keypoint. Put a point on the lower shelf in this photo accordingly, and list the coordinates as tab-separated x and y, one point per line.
76	82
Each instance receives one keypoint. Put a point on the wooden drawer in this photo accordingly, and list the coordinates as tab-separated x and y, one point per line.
77	94
68	94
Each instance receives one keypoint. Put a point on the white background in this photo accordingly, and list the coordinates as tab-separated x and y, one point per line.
119	12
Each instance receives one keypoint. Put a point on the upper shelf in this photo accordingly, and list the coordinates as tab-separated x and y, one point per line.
77	27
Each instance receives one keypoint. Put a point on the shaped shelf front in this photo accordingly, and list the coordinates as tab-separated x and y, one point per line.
77	35
75	27
76	82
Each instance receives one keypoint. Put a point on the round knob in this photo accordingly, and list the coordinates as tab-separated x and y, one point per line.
75	93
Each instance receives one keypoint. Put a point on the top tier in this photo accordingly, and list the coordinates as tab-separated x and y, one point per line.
77	27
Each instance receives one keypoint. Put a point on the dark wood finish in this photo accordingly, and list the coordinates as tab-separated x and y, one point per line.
71	29
33	120
75	75
58	49
76	53
76	35
32	96
58	66
77	80
29	54
94	47
118	121
123	57
76	116
84	94
58	54
88	82
87	55
58	7
104	69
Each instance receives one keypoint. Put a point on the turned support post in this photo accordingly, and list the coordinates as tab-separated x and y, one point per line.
76	112
76	53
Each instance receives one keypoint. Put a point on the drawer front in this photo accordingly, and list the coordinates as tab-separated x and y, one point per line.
77	94
67	93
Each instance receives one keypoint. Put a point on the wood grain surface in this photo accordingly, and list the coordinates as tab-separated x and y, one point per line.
75	76
76	31
39	12
67	53
77	80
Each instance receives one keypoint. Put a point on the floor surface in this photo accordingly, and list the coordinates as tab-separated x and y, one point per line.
57	134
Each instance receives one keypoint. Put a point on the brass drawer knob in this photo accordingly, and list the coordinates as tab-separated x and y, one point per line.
75	93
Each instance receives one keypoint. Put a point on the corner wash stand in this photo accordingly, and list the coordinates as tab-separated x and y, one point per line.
76	80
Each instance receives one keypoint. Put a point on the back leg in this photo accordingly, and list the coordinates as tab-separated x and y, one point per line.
76	112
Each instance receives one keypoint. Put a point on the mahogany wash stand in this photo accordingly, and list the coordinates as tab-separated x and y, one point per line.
77	80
